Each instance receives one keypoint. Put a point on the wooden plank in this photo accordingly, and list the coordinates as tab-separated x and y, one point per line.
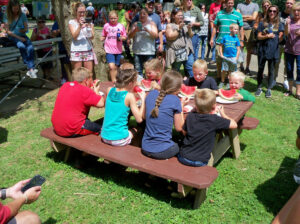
235	142
200	197
220	148
130	156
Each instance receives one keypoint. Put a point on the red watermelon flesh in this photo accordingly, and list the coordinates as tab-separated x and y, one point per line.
187	91
146	83
227	94
137	89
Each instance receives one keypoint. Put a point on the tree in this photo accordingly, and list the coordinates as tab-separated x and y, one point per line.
63	13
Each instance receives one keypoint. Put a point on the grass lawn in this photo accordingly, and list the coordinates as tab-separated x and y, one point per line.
251	189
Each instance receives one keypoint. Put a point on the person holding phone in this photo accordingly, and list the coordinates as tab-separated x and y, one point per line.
9	213
82	34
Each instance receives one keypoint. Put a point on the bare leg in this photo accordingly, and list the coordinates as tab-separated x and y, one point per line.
89	65
248	59
27	217
76	64
112	71
298	89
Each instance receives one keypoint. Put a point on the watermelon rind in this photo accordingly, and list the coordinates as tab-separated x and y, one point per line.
184	89
232	91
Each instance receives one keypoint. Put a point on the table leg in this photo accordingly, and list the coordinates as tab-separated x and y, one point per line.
200	197
235	142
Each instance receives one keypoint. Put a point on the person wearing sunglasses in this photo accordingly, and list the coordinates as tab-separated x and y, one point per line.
270	33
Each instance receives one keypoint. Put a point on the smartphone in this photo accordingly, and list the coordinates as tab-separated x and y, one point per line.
139	25
37	180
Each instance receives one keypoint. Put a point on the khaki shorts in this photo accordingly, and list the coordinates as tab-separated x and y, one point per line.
248	38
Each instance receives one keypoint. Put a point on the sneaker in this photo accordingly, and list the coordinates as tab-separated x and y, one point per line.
286	85
258	92
221	85
212	62
31	74
268	93
247	71
227	86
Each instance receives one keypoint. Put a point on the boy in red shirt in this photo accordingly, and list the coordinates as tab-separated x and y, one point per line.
73	102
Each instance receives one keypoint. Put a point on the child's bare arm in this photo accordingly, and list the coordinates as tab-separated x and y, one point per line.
232	124
221	50
137	112
238	52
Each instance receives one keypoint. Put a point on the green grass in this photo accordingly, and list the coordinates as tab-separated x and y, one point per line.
251	189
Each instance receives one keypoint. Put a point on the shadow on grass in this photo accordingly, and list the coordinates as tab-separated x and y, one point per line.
156	187
50	221
3	135
275	192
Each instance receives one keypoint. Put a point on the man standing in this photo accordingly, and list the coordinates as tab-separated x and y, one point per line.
91	10
249	11
214	8
24	9
283	16
222	22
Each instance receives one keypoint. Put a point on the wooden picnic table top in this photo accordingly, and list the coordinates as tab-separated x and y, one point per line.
235	111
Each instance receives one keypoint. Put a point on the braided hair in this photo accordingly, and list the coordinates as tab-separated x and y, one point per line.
170	83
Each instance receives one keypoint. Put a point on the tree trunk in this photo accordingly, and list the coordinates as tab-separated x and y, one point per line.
63	13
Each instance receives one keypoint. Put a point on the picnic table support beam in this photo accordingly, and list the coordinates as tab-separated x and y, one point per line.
200	197
221	147
235	142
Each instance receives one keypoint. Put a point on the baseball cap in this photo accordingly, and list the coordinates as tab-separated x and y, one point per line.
150	1
119	2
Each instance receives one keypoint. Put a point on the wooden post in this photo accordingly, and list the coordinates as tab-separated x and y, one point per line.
235	142
200	197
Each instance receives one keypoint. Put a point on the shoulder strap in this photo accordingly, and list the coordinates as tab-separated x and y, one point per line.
16	23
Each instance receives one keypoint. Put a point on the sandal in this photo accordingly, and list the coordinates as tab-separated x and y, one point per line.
297	97
288	93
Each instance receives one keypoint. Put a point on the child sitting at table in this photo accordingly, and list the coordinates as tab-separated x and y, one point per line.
236	81
119	102
200	79
200	129
229	52
153	71
72	105
163	109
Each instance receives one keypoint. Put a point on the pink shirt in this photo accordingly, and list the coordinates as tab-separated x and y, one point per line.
111	44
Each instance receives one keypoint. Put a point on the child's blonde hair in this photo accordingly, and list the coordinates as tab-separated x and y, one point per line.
125	77
81	74
170	83
113	13
239	75
126	66
205	99
201	64
167	13
75	7
233	25
154	65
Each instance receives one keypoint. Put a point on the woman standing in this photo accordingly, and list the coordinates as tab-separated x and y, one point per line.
82	32
261	15
292	48
270	33
193	15
179	43
203	31
16	27
144	32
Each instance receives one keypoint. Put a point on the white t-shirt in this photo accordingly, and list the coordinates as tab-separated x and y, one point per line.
82	43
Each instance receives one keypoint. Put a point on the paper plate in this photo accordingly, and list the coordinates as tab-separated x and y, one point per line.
187	108
180	95
221	100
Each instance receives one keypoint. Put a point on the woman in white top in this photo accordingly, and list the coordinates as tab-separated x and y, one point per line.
204	30
82	32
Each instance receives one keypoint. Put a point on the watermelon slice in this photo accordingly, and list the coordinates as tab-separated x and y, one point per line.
146	84
227	94
187	91
96	82
137	89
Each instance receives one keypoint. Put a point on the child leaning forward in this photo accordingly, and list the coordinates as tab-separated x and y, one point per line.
200	129
119	102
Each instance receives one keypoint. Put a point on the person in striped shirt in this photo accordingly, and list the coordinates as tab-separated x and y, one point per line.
222	22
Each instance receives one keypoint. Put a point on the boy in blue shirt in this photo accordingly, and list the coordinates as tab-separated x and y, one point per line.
229	52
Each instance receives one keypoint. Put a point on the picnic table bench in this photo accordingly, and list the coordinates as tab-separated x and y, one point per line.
186	177
11	61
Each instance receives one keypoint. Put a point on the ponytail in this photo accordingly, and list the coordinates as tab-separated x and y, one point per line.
170	83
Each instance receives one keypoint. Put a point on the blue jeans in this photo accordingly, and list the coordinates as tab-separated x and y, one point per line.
188	162
188	65
195	42
203	41
166	154
213	49
290	59
139	61
26	50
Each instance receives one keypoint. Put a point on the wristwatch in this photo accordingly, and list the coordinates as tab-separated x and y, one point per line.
3	194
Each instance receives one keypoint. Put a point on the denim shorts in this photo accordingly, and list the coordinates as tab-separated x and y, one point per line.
113	58
229	64
188	162
121	142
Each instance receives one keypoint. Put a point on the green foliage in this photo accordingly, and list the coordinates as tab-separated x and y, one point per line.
251	189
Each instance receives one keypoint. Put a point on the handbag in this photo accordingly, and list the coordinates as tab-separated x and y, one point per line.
181	54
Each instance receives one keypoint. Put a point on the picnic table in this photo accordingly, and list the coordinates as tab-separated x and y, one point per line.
225	139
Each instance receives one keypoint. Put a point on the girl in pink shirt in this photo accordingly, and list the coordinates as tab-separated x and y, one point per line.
113	34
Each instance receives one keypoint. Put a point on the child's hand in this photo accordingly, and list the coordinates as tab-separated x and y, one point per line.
184	101
216	92
271	35
154	85
238	96
220	109
142	95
